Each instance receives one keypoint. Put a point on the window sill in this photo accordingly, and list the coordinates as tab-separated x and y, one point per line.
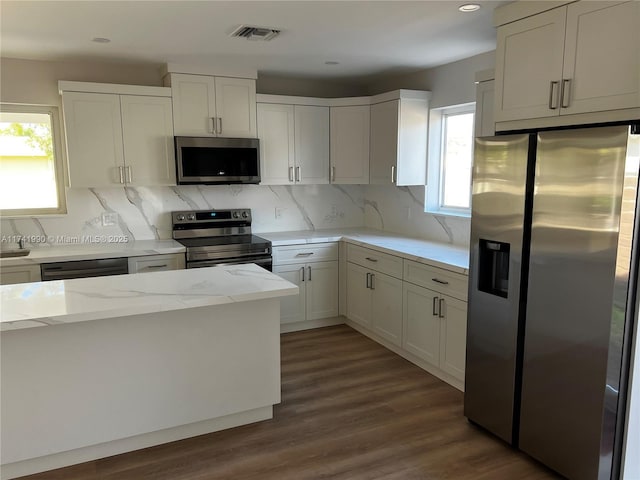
449	213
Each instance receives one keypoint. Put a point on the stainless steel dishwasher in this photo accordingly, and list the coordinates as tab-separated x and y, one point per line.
84	268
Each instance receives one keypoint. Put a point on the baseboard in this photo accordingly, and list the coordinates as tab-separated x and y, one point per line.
436	372
93	452
309	324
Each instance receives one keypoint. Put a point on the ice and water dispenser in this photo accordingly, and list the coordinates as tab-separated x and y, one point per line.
493	268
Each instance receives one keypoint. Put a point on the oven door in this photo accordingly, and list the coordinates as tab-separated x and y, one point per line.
262	261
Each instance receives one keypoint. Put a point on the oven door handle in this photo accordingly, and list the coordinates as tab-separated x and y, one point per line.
265	262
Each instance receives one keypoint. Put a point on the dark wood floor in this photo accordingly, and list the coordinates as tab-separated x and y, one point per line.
350	409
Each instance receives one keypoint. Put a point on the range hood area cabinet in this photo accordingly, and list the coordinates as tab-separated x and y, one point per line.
206	106
359	140
579	58
118	135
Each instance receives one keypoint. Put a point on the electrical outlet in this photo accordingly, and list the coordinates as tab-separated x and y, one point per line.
278	212
109	219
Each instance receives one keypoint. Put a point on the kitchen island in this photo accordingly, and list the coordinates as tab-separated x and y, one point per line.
99	366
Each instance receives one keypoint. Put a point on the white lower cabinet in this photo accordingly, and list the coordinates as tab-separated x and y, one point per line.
374	300
156	263
314	269
318	298
19	274
435	329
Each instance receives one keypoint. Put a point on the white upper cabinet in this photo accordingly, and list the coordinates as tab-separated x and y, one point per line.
350	126
311	144
118	139
147	131
398	144
93	127
294	143
484	120
602	57
579	58
529	66
277	152
213	106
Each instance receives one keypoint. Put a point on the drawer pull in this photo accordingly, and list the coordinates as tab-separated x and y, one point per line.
164	265
441	282
371	259
305	254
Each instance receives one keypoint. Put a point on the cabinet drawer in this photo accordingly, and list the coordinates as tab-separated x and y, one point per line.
318	252
437	279
156	263
378	261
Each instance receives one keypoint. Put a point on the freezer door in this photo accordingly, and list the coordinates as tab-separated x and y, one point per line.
579	178
497	227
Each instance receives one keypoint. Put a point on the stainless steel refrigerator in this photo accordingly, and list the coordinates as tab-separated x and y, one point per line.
552	286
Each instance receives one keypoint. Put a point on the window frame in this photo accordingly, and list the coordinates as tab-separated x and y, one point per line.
58	158
435	163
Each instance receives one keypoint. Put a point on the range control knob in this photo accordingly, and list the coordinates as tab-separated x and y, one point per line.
236	215
245	215
191	216
180	217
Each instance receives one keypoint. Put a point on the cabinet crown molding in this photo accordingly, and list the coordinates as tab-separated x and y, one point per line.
345	101
208	71
113	88
524	8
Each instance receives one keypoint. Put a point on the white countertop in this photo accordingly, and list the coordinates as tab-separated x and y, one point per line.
87	251
449	257
39	304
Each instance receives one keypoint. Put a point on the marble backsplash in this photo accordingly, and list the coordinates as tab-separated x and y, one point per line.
142	213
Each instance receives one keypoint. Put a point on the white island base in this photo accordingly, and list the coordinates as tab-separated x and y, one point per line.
85	390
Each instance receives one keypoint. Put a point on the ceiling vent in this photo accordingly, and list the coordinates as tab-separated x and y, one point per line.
255	33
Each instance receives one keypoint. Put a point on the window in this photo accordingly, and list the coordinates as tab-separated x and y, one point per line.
31	167
450	160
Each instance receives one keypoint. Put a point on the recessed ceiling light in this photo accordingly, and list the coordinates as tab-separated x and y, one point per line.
331	62
101	40
469	7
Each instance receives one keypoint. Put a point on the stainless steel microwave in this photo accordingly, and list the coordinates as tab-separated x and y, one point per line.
215	160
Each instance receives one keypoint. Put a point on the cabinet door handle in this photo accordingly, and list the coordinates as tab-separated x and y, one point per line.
212	125
309	267
297	174
220	125
441	306
368	280
371	259
304	254
393	174
441	282
129	174
291	174
373	285
434	311
553	94
333	173
302	270
121	171
566	92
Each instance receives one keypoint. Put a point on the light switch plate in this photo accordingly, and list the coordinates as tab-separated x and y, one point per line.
109	219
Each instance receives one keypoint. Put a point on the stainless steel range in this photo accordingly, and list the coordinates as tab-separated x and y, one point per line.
220	237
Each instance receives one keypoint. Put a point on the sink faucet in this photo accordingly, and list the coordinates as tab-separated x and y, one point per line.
21	243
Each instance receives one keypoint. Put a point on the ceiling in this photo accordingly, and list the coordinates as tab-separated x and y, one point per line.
367	38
